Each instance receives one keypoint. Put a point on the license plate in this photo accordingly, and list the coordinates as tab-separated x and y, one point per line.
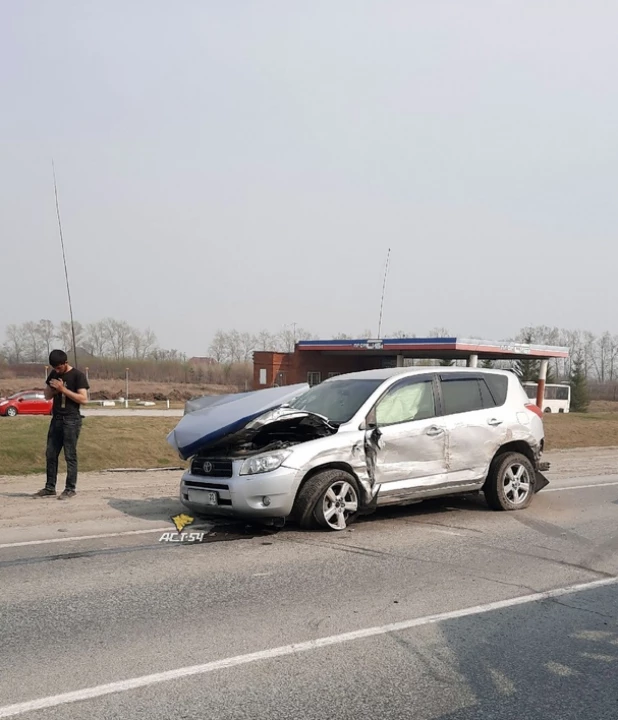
203	497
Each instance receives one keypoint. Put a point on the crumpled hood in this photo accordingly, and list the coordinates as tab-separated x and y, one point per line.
227	416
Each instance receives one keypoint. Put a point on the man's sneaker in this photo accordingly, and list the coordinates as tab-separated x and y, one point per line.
44	492
66	494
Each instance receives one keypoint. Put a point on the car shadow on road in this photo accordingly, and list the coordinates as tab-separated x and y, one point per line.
216	529
556	658
165	507
434	506
154	508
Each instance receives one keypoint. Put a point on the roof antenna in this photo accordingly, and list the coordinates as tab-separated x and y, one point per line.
383	291
66	274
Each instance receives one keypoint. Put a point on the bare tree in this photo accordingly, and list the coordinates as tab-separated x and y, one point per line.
601	357
247	346
439	332
33	341
118	334
47	333
65	335
265	341
149	342
219	347
96	339
234	345
15	343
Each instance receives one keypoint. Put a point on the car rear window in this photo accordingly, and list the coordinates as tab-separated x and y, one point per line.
461	395
498	386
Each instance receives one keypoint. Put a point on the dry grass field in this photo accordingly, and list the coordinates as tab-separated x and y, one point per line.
112	389
140	442
106	442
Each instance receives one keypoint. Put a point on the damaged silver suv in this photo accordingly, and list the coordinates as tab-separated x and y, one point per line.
359	441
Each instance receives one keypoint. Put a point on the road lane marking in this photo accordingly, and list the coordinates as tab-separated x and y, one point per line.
293	649
84	537
579	487
166	529
560	670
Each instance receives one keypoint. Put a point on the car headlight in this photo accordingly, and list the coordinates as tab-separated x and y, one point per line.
263	463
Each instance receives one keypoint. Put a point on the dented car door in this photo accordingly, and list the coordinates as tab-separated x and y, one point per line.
475	427
409	437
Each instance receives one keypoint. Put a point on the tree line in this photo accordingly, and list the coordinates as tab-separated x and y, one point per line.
599	353
113	344
31	342
113	339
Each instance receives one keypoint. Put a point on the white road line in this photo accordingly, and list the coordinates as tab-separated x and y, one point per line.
169	528
579	487
446	532
294	649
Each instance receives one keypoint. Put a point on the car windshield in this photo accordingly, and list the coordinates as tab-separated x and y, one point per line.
14	397
337	400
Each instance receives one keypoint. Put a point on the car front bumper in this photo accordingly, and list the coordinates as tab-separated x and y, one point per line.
267	495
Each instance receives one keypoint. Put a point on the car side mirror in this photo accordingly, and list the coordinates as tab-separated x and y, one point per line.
20	400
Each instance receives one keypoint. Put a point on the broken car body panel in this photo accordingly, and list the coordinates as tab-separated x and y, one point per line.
224	416
392	461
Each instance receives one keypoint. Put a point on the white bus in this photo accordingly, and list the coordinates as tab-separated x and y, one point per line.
557	396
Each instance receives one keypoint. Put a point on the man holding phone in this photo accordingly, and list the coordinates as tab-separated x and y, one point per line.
68	387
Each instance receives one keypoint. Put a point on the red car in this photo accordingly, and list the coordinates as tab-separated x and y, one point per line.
30	402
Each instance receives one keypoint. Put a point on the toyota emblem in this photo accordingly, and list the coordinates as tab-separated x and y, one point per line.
207	466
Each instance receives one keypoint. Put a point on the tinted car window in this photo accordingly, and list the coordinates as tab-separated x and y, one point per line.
498	385
486	396
461	396
338	400
406	402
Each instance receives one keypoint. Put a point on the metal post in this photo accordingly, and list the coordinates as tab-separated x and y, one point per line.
540	389
46	372
126	397
399	360
473	361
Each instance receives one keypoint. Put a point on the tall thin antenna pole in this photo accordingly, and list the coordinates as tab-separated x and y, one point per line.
383	291
66	274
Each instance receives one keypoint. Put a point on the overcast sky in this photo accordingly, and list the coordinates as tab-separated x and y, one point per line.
247	164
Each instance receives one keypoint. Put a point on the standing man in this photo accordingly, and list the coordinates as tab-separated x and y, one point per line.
68	387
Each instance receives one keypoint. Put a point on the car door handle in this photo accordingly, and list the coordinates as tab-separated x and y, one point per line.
494	421
434	430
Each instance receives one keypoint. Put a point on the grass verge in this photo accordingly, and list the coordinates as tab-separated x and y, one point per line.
574	430
113	442
106	442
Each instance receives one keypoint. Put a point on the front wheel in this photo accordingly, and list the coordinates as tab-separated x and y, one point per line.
11	412
329	499
510	483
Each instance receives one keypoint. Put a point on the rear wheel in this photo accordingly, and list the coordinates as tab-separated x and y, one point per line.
329	499
510	483
11	412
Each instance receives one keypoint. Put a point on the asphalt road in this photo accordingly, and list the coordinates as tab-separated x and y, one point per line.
299	625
